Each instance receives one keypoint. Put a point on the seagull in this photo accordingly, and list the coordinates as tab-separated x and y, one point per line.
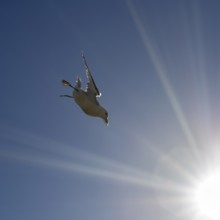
86	99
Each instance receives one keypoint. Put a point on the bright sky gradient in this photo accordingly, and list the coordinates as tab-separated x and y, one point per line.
157	65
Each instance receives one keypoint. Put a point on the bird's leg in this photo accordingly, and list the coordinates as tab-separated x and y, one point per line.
68	96
65	83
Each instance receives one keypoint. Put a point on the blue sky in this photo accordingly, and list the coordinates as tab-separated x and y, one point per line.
157	66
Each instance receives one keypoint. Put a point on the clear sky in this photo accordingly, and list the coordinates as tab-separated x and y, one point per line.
157	66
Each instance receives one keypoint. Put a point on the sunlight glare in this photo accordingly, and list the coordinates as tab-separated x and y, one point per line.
207	197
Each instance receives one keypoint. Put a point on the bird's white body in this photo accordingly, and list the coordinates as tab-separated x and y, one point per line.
86	103
86	99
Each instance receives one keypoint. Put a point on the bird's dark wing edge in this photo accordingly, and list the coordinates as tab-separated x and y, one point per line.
89	76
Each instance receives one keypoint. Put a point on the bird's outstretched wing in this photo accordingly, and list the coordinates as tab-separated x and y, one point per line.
91	86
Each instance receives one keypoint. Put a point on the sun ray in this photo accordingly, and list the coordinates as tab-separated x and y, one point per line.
196	58
72	167
89	164
163	78
84	162
204	92
56	148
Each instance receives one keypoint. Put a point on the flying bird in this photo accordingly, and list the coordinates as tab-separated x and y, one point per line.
86	99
